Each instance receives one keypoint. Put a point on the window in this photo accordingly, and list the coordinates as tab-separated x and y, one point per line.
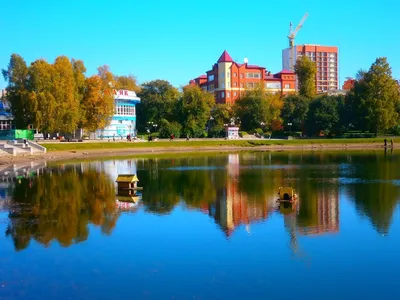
242	85
228	84
222	95
253	75
235	74
273	85
210	77
211	87
228	74
287	86
223	74
222	85
228	94
241	75
250	85
235	84
234	94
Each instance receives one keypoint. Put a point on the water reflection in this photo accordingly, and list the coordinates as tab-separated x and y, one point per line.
59	204
235	190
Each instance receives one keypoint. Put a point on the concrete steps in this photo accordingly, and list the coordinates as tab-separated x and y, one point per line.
18	147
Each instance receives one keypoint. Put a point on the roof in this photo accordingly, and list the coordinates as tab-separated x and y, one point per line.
225	57
285	72
254	67
127	178
202	77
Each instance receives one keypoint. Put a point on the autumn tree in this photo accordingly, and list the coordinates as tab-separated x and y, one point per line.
97	104
42	96
67	113
79	70
257	109
127	83
16	75
306	72
375	98
158	99
194	110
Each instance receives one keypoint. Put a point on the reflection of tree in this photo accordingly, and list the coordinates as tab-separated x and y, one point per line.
164	186
59	205
375	195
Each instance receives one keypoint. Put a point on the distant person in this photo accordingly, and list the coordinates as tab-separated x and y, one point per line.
385	143
391	143
172	137
187	137
114	137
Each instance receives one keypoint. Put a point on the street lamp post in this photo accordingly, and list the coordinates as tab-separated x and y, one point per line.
290	124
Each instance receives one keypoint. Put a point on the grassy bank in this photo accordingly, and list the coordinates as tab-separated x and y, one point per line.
207	143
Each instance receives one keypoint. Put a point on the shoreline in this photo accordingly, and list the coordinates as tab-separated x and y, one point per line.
61	155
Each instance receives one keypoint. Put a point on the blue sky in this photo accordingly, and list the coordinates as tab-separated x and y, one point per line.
179	40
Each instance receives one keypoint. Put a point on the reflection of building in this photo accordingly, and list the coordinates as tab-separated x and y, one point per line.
323	216
113	168
15	171
233	207
123	121
327	212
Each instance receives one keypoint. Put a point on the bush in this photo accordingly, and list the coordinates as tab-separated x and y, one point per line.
259	131
242	133
167	129
217	131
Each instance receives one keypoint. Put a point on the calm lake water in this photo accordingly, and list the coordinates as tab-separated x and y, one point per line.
204	227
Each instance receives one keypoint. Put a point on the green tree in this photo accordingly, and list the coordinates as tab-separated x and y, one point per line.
194	109
294	110
220	114
158	101
375	98
16	75
306	72
257	109
169	128
324	115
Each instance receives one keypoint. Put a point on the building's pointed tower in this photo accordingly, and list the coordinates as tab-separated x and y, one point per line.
224	74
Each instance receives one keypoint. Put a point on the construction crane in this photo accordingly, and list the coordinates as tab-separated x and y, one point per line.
291	37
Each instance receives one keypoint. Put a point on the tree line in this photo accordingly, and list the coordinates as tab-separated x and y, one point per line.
58	97
372	106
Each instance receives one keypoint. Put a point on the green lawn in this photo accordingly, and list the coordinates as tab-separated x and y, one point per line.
205	143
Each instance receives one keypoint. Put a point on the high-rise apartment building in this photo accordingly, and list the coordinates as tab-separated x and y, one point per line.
326	59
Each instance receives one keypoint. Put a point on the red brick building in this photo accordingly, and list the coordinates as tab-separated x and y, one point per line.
229	79
348	84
